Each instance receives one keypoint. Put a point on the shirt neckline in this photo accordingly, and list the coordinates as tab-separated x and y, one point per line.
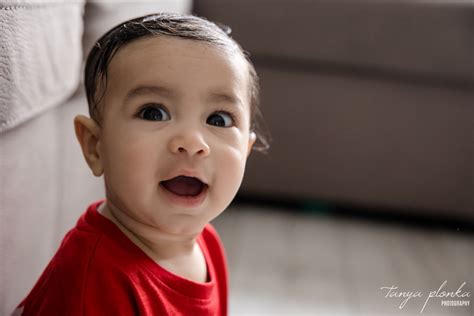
174	282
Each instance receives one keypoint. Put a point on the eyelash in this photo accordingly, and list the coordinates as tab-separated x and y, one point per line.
150	105
232	115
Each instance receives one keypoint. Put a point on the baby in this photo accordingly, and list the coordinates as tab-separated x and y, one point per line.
173	102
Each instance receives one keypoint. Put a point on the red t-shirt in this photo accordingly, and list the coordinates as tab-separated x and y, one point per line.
99	271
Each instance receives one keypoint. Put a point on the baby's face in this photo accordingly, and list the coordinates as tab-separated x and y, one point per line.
174	110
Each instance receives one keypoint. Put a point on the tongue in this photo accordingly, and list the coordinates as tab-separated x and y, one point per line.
184	185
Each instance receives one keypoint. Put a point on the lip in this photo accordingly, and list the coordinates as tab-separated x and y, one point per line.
187	173
185	201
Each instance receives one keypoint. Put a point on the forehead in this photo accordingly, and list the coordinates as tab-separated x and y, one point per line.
179	65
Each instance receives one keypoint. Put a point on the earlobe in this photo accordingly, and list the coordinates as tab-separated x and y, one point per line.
252	139
88	135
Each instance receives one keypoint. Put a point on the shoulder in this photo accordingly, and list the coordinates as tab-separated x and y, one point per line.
215	250
210	230
218	263
83	278
74	254
61	285
212	239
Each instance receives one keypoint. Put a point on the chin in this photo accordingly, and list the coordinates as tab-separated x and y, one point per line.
182	224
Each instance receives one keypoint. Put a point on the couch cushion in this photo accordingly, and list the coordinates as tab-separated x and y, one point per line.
368	143
44	187
101	16
40	57
424	39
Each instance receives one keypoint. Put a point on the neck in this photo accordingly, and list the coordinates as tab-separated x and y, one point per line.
179	254
158	245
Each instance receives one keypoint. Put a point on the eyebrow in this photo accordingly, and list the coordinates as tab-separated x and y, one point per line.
227	98
162	91
147	90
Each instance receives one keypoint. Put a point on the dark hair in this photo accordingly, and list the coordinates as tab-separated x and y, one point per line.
183	26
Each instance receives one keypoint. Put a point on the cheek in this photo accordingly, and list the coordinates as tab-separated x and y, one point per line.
128	161
231	170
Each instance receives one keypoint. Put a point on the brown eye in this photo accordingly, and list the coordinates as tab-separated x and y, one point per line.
153	113
221	119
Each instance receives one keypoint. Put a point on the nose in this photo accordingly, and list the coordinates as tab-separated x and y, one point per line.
190	142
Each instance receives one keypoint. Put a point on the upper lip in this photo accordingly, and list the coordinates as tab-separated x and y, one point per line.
187	173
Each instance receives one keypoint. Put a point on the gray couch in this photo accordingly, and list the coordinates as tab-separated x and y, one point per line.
370	103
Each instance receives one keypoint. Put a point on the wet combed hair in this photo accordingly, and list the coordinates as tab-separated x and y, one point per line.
176	25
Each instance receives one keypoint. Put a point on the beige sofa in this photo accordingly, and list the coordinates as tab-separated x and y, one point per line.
45	184
370	103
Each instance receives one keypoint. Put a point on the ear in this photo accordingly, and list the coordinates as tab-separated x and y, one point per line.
252	139
88	135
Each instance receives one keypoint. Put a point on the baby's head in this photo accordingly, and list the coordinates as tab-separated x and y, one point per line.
173	102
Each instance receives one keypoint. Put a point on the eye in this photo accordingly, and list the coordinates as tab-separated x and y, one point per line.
153	112
221	119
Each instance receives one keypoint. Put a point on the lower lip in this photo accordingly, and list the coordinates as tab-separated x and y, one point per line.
185	201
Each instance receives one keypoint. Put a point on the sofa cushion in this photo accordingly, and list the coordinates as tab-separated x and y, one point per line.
424	39
99	17
40	57
45	186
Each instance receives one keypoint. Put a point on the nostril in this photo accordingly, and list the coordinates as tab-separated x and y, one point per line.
201	150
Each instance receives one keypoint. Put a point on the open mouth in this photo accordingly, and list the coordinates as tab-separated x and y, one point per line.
184	186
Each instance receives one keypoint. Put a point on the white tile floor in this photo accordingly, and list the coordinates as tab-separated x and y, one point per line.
288	263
